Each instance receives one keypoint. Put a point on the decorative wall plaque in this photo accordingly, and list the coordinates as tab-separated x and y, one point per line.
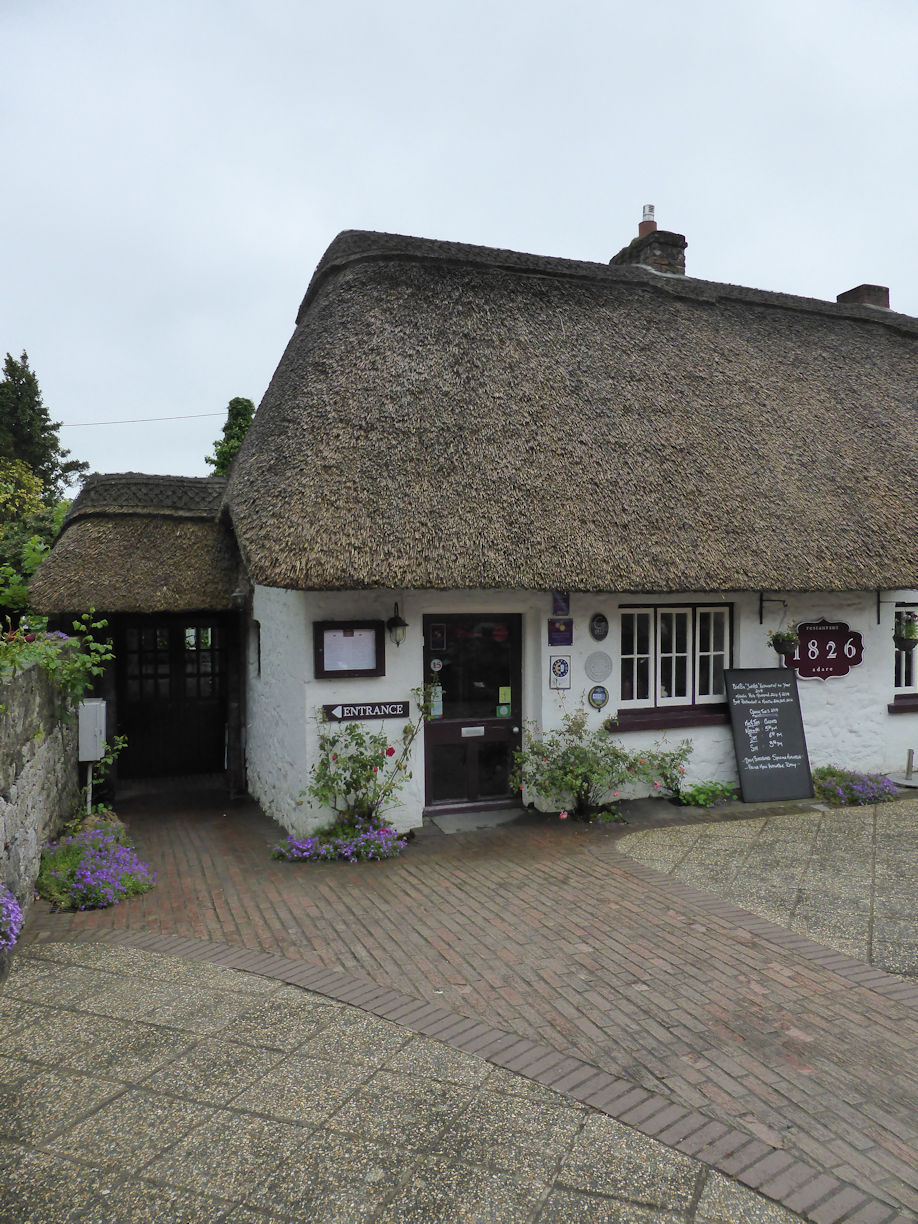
598	666
599	627
598	696
560	631
825	649
559	672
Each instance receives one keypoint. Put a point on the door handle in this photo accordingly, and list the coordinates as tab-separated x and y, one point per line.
516	730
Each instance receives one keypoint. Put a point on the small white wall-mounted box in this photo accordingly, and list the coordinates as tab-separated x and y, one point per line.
92	729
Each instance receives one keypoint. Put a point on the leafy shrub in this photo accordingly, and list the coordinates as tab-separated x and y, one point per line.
585	767
10	919
707	794
92	870
354	841
72	661
848	788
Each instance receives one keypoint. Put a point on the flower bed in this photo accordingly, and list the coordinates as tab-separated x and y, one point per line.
10	919
92	870
848	788
351	842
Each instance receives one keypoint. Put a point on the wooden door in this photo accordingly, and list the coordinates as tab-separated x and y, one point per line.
474	660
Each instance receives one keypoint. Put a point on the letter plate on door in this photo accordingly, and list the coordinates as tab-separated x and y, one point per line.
468	732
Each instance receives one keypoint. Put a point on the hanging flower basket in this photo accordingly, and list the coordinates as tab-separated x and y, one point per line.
784	641
905	630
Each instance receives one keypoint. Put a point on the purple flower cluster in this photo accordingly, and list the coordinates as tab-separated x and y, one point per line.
849	788
106	872
10	918
380	843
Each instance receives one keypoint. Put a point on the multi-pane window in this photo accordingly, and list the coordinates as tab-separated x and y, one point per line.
673	656
173	662
904	675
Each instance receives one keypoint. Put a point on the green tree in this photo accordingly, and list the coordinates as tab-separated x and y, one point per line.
28	434
239	413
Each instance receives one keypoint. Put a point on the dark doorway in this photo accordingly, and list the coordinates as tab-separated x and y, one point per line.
172	694
475	662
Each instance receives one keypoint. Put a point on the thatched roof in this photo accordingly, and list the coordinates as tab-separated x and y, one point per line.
449	416
136	543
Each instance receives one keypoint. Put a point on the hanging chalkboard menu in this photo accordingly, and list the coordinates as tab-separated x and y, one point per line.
768	734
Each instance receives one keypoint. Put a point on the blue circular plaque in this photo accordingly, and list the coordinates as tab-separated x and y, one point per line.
598	696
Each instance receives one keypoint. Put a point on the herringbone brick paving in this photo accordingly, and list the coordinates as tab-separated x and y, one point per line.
546	932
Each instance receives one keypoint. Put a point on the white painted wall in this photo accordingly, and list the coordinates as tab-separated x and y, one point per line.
846	719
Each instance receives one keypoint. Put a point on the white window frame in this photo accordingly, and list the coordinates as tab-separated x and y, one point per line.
905	663
695	651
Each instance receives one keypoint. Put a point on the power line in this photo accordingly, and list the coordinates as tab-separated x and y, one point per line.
142	420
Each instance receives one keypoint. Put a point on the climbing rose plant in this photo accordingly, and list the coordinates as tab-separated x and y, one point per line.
358	773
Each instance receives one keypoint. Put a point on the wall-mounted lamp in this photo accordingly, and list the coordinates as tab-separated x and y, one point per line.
397	627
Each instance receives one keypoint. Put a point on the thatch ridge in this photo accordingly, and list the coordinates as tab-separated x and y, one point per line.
453	417
363	246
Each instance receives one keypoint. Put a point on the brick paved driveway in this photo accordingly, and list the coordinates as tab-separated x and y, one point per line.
546	931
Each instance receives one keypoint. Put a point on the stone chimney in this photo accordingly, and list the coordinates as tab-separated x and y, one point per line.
659	250
866	295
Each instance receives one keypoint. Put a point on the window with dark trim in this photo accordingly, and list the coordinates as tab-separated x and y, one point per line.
671	664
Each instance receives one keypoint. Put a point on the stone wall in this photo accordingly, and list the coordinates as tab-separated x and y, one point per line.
39	777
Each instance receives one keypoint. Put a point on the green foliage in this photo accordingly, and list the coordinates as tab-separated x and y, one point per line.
707	794
239	414
358	773
20	491
849	788
27	433
587	768
100	771
73	662
24	543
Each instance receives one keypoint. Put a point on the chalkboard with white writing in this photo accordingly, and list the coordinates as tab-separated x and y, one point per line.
768	734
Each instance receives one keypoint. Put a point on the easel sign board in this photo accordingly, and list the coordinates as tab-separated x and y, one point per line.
768	736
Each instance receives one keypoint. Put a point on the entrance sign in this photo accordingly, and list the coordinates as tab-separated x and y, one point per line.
372	709
826	649
768	736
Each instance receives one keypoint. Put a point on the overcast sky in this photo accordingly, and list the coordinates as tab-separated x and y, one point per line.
173	171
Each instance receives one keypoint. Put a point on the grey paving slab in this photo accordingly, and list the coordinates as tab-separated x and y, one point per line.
394	1127
841	876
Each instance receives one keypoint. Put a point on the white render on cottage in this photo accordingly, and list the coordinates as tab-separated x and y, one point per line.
846	719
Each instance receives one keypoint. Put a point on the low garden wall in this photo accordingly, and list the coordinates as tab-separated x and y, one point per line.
39	777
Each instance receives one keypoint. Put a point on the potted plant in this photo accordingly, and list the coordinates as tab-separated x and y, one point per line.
784	641
905	631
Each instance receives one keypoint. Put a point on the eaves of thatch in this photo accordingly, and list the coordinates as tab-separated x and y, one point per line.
133	543
448	416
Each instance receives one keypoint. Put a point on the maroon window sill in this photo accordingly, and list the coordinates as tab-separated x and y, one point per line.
658	719
907	703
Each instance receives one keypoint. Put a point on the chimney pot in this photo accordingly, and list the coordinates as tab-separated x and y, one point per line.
866	295
648	224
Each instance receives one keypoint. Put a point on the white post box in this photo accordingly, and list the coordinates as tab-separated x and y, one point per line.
92	729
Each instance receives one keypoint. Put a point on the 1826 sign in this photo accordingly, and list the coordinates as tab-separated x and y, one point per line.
825	649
